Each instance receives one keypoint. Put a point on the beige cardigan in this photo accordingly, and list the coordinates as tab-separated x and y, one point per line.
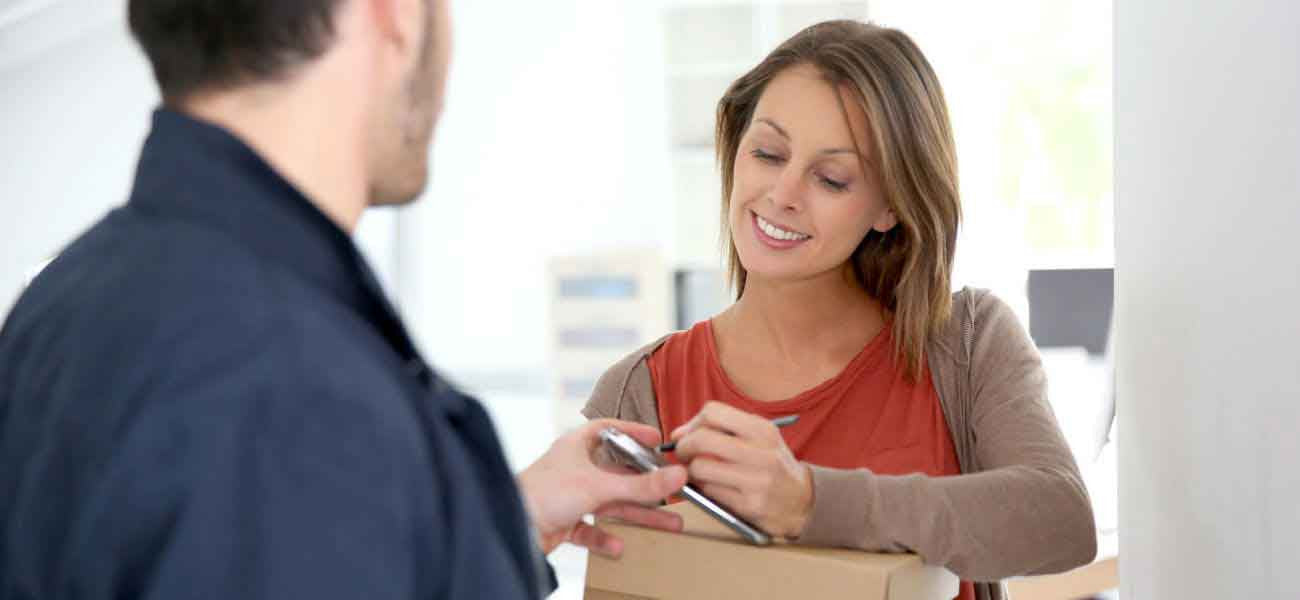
1019	508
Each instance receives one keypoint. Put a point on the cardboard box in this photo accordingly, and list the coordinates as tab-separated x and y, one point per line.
1087	581
709	561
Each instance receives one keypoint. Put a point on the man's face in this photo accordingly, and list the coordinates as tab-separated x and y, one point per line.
400	141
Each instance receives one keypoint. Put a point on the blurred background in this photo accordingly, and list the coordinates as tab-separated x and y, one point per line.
573	209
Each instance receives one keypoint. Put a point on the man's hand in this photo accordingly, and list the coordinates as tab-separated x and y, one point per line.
573	480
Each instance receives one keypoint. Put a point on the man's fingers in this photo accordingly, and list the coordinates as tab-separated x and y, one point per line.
644	516
642	489
597	540
611	465
602	542
648	436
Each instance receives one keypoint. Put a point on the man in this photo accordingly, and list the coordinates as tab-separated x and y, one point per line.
207	396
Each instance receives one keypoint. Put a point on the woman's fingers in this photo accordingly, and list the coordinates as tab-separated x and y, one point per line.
708	471
729	497
728	419
711	442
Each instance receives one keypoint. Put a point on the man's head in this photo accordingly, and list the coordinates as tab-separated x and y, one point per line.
389	57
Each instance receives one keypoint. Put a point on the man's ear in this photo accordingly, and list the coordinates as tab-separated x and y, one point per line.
398	22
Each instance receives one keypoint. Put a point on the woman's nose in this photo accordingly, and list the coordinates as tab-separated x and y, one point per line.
785	194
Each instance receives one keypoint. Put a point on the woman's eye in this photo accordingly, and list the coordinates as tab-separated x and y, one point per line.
765	157
834	185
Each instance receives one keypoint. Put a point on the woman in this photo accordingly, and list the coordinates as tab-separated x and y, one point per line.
924	423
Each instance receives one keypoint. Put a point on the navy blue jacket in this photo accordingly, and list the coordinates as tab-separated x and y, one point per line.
208	396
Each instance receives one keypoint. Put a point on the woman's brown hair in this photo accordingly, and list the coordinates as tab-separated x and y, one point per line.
909	268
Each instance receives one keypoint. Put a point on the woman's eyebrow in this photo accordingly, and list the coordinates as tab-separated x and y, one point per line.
782	132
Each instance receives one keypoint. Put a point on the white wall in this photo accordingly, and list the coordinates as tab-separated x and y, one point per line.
553	143
73	114
1208	259
77	100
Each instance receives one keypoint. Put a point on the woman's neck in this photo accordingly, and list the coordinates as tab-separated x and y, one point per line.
799	322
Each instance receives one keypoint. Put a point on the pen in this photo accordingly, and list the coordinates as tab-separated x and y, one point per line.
779	422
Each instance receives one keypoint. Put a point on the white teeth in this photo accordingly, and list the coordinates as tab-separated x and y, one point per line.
778	233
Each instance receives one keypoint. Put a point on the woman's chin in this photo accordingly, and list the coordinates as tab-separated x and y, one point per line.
769	273
779	271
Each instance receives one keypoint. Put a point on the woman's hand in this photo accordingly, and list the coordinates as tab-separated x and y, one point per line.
742	461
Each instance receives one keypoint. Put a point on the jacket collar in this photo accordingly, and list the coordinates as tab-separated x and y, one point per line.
200	173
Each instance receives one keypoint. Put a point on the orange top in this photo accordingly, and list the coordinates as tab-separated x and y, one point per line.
869	416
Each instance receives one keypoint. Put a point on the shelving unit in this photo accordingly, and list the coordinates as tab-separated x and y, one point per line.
603	306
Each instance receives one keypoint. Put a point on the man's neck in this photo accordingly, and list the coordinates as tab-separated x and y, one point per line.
303	135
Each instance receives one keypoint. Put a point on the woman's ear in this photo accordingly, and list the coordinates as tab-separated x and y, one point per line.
888	220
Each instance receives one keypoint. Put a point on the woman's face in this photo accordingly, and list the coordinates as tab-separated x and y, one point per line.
801	201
